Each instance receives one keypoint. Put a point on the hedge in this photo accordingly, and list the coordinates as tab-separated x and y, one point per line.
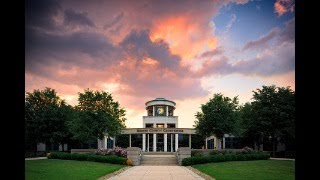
113	159
221	158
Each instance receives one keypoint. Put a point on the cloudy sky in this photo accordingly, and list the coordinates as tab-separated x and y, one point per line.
182	50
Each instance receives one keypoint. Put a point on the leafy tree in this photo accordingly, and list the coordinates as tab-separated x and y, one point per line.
218	116
46	117
251	129
274	114
97	114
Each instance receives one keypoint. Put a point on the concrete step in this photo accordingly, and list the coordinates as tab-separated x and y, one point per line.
158	153
159	160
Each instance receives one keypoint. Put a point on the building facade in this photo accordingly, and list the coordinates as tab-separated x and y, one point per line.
160	129
160	114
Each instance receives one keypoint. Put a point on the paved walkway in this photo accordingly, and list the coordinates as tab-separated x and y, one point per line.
282	159
157	172
36	158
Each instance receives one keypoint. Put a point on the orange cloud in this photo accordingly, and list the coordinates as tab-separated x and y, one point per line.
186	37
283	6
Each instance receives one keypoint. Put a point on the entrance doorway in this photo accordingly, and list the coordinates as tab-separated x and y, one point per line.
160	142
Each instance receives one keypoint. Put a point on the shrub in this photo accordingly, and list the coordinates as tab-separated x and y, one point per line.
228	157
221	158
248	157
187	161
88	157
233	157
214	152
196	153
290	154
241	157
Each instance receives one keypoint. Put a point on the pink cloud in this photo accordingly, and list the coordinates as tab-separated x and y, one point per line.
283	6
138	50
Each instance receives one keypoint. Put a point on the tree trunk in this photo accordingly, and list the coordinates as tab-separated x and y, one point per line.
35	150
273	147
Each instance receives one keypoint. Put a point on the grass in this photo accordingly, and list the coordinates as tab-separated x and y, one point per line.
67	169
261	169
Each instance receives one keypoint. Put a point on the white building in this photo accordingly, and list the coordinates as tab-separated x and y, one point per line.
160	128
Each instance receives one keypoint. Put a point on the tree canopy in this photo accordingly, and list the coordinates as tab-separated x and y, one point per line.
217	116
271	115
46	117
97	114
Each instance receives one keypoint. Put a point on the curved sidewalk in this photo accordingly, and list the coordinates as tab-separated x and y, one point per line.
157	172
35	158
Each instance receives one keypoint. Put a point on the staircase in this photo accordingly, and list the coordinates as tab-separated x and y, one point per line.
159	159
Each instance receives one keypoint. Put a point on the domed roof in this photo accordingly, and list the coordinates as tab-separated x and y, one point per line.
160	101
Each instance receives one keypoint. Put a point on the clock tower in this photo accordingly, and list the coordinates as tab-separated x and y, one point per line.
160	114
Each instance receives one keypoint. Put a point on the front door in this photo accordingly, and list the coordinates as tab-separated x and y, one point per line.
160	144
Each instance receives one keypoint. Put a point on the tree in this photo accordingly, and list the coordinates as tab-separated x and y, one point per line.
251	129
97	114
218	116
46	117
274	114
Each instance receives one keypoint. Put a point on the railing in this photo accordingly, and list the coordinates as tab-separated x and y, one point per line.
183	152
135	155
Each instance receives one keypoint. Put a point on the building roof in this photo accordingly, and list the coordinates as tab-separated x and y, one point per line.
160	99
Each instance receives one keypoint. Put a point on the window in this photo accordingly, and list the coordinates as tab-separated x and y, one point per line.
160	125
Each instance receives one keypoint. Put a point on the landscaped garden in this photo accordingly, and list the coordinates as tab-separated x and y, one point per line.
67	169
259	169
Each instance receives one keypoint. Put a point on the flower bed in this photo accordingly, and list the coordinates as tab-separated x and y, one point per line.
118	151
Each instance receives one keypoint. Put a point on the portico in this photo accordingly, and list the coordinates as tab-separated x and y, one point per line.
160	128
163	133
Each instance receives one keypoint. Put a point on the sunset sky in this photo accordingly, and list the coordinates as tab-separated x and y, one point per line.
181	50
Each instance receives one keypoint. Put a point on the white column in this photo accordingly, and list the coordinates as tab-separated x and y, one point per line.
215	144
114	142
153	111
129	140
206	143
177	142
189	140
105	142
165	138
171	139
143	142
99	144
148	144
154	138
224	143
154	142
167	107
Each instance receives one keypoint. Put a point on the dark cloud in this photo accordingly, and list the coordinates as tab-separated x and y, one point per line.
82	49
275	61
278	62
215	52
281	35
139	45
77	19
214	66
288	34
41	13
114	21
89	57
263	41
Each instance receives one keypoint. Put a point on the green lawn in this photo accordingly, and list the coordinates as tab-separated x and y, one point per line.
67	169
261	169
